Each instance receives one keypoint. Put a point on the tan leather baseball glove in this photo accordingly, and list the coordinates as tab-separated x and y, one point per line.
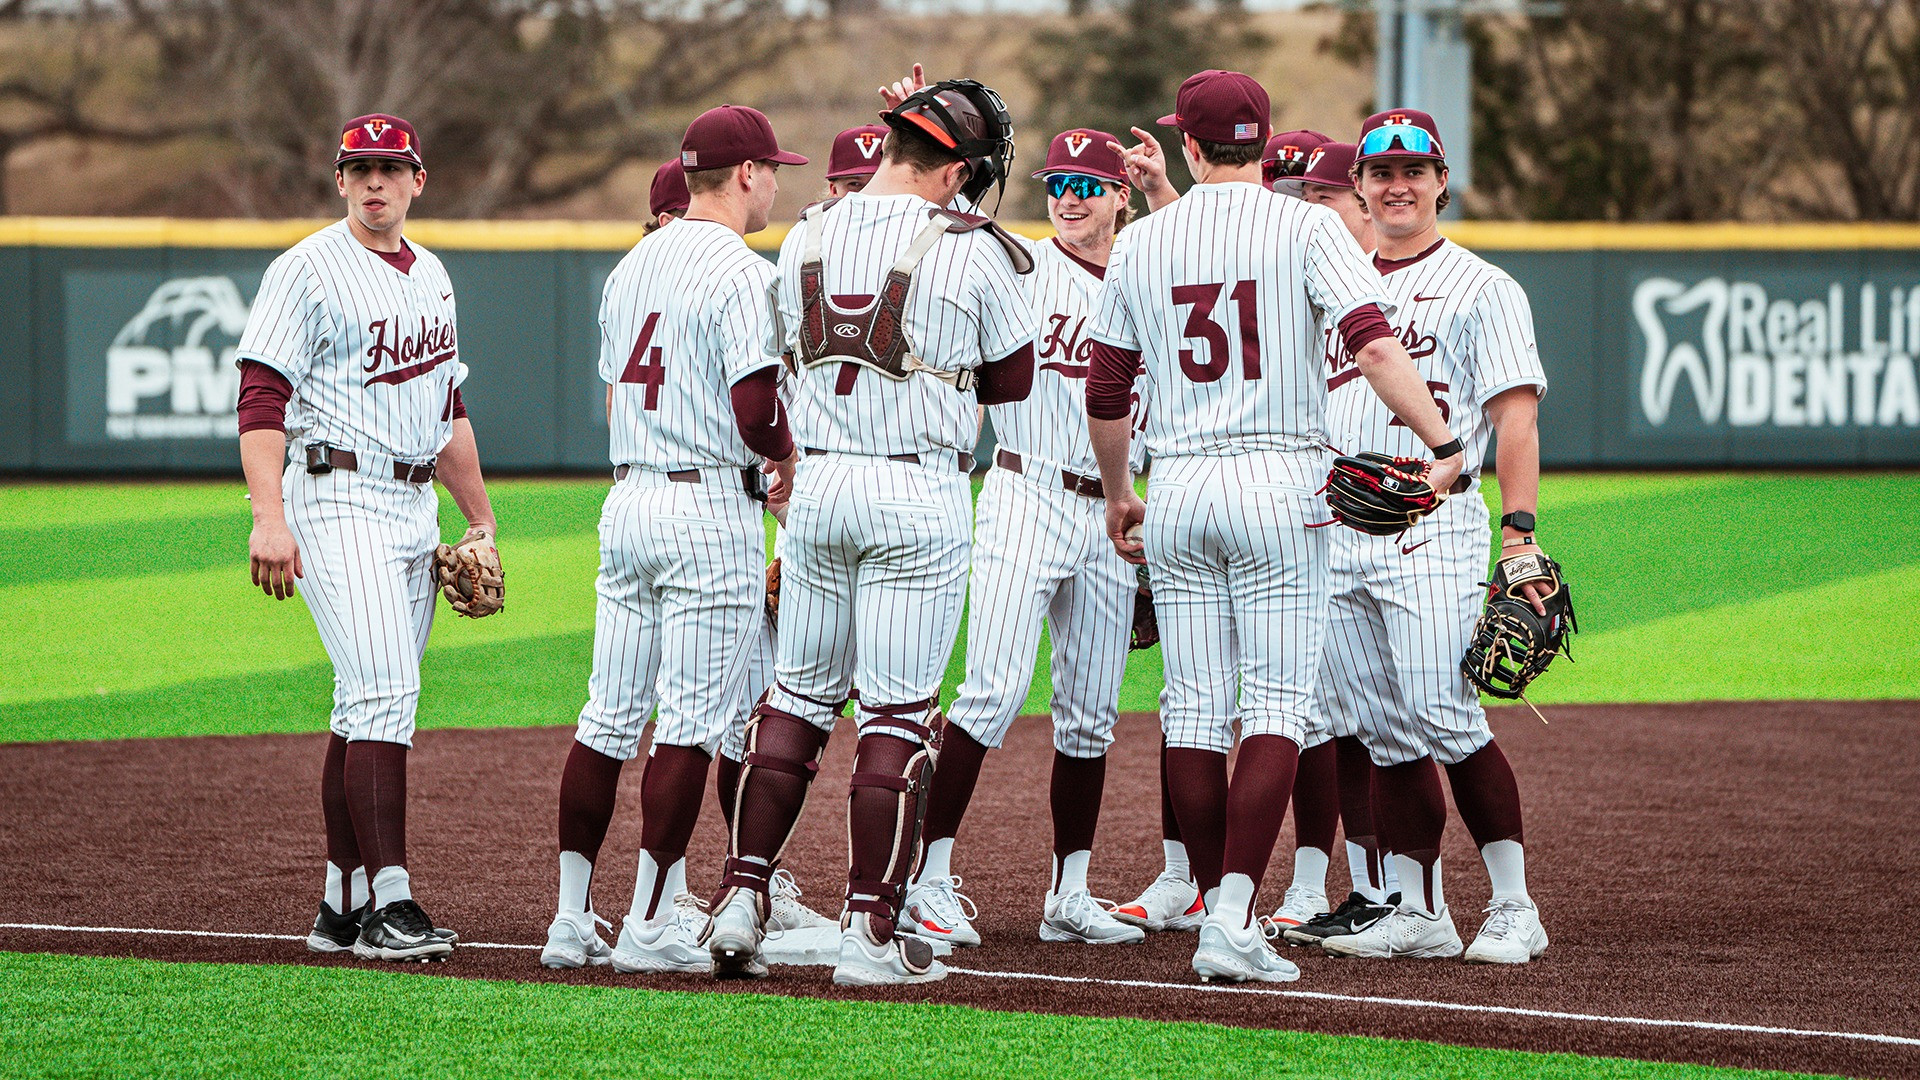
470	575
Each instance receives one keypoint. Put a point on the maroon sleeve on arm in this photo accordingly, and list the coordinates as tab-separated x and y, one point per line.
1362	327
1110	375
757	412
1009	378
459	406
264	394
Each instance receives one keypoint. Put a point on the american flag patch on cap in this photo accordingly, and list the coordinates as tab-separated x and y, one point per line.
689	159
1245	131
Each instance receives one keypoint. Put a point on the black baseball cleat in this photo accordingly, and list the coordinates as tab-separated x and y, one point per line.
334	932
1354	914
400	931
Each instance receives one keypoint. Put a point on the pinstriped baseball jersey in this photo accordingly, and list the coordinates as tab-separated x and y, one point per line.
967	307
1469	329
1051	423
683	318
1223	292
370	349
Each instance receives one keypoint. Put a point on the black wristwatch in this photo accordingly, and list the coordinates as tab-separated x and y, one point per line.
1519	519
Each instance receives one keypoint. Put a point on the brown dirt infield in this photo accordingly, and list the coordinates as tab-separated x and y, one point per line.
1746	863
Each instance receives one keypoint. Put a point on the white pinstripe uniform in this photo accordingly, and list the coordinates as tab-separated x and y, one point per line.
372	355
875	564
1404	608
1041	550
1222	292
681	586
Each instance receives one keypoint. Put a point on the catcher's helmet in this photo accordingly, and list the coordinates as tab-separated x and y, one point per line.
968	119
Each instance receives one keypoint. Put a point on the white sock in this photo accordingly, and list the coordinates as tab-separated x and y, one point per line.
336	895
1507	867
1389	874
1360	868
654	888
576	879
1070	873
939	861
1177	858
1310	868
1413	893
1235	900
357	892
390	884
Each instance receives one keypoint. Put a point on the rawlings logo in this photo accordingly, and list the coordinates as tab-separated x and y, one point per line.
410	355
1076	142
846	330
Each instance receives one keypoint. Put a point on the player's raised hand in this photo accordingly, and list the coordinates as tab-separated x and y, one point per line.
1442	473
1147	168
903	89
274	558
1124	518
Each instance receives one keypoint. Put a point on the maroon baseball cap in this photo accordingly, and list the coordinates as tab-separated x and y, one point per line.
726	136
669	191
1221	107
378	135
856	152
1085	151
1400	133
1327	166
1292	146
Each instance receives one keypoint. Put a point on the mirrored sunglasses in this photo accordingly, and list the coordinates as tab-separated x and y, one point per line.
1086	187
1410	139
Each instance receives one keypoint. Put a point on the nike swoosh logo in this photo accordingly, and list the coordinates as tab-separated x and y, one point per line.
449	296
1422	299
929	926
1408	549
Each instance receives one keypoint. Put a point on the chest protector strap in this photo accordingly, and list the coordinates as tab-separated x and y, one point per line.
874	336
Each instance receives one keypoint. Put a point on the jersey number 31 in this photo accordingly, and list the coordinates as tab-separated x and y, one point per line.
1201	325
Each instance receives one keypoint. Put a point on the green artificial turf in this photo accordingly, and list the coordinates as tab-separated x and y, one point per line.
130	613
77	1016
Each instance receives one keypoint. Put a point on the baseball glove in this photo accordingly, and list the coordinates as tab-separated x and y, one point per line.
1146	625
1513	644
773	593
1380	495
470	576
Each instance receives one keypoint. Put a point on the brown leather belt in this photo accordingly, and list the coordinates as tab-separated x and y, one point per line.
678	476
1087	486
751	480
412	474
1460	484
963	459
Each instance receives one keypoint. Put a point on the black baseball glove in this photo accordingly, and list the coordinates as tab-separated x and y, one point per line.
1146	625
1380	495
1513	644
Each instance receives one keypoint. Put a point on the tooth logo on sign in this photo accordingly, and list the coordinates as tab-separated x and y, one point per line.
1664	366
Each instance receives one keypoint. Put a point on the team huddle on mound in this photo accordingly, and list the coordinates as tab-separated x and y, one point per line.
1314	374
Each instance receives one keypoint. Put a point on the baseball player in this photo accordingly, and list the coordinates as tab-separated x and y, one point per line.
1040	553
1286	156
350	355
1404	608
854	159
1219	296
901	318
693	414
667	197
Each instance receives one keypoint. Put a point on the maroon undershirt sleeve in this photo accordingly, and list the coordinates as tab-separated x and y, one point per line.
1009	378
757	412
459	407
1362	327
1110	374
264	394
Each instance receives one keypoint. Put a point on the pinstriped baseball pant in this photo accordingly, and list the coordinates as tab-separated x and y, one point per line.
1240	589
1041	552
873	581
1399	623
366	548
681	591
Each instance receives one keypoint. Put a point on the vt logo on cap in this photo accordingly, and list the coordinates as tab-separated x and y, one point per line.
1076	142
868	143
1314	159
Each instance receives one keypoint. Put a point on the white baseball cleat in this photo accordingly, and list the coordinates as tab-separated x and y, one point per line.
1299	907
787	912
1512	934
572	941
734	937
937	909
670	942
1078	917
1172	902
903	960
1230	953
1408	932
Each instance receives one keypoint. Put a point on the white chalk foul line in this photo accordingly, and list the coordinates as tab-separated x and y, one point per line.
1146	984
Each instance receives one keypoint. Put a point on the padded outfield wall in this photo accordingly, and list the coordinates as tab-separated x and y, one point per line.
1668	346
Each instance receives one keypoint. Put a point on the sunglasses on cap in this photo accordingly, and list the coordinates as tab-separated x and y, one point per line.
1086	187
1411	139
1282	169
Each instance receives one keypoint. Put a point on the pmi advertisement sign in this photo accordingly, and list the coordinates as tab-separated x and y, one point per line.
152	360
1723	353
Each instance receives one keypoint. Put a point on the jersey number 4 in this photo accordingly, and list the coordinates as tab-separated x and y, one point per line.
643	364
1202	326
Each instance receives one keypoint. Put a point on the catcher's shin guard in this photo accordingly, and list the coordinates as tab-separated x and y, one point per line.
767	807
898	747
